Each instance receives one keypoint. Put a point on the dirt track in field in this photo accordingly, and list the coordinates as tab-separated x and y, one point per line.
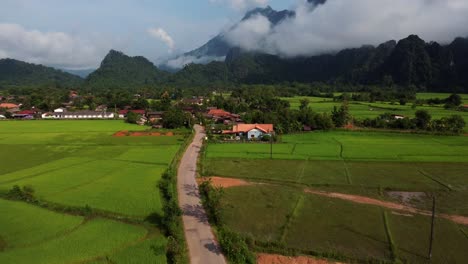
224	182
277	259
463	220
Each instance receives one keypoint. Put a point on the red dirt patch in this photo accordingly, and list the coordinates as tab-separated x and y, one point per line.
224	182
121	134
394	206
141	134
277	259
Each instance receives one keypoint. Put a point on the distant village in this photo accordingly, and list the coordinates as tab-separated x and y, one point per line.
218	119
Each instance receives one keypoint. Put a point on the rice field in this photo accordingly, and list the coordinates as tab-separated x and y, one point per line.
81	164
378	165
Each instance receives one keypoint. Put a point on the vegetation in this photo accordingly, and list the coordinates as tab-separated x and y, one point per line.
285	219
90	200
14	73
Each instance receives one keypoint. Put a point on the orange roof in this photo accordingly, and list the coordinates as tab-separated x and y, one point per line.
8	105
243	128
218	112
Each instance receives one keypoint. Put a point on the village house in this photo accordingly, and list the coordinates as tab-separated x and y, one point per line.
398	116
10	107
194	101
224	117
155	117
123	113
26	114
60	110
250	131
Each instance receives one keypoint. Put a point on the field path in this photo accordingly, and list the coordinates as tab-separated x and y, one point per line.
459	219
202	245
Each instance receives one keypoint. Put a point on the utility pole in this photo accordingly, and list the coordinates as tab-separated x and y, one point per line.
271	145
432	228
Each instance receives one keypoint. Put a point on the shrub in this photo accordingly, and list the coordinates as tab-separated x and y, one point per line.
235	247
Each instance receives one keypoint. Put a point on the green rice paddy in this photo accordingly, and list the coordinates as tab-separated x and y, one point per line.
372	164
80	164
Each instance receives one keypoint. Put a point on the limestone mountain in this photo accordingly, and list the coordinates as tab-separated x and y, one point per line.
118	70
19	73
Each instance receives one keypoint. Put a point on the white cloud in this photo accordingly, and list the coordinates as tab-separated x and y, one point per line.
241	4
162	35
250	34
181	61
51	48
342	24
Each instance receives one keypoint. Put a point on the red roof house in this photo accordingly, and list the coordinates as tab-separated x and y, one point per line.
252	131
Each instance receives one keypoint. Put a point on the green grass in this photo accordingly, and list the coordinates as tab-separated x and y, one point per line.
362	110
80	163
35	235
335	227
378	146
96	238
363	163
22	224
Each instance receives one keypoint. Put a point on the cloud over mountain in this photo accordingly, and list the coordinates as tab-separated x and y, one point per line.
339	24
51	48
162	35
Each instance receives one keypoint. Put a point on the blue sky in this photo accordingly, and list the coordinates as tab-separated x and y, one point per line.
119	24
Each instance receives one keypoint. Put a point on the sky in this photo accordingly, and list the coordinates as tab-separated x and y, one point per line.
73	34
78	34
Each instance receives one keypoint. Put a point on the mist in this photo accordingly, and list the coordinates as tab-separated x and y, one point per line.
339	24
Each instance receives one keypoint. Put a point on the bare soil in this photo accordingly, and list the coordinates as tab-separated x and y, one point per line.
407	198
141	134
278	259
390	205
224	182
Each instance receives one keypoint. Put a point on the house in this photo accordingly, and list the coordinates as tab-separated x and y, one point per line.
80	115
10	107
251	131
194	101
25	114
60	110
398	116
221	116
123	113
155	117
101	108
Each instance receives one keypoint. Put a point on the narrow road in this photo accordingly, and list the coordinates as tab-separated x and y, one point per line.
203	248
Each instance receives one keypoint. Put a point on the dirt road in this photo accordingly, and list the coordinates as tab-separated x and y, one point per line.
203	248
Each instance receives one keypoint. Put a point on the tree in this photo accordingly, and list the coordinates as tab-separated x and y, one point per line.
455	124
132	117
304	104
174	118
453	101
341	116
423	119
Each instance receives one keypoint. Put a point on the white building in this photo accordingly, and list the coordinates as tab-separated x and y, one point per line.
81	115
